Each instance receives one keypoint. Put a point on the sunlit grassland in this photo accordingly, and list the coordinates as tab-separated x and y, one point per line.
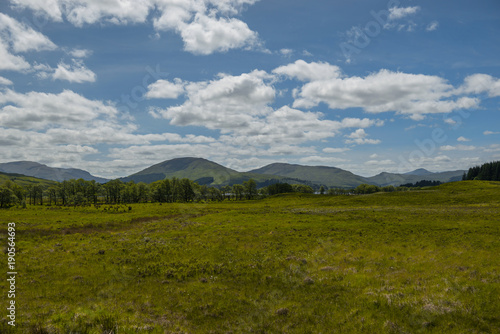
412	262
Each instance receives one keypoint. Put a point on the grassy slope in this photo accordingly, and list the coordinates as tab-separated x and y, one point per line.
420	262
24	180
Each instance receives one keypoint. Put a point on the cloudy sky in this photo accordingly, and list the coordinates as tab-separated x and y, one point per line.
118	85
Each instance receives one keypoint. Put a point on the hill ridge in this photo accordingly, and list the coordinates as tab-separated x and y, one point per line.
329	176
42	171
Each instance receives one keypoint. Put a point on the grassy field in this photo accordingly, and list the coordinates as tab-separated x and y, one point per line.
412	262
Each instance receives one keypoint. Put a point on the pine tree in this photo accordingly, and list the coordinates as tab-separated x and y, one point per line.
489	171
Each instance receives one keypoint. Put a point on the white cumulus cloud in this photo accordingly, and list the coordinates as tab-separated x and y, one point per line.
208	34
77	73
164	89
10	61
413	95
359	137
81	12
397	13
5	82
16	37
240	108
480	83
47	8
226	103
304	71
21	37
205	26
36	110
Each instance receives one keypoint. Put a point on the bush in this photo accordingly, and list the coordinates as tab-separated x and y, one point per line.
279	188
366	189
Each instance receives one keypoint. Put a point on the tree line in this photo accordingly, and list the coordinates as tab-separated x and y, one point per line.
489	172
364	189
79	192
423	183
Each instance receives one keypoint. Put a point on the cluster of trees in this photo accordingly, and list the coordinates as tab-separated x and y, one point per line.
489	171
370	189
281	188
10	193
423	183
363	189
185	190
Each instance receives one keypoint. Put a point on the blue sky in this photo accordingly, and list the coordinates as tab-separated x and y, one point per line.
368	86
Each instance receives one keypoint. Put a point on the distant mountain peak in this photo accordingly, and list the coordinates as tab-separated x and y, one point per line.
420	172
186	167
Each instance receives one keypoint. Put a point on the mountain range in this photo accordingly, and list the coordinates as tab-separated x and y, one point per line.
209	173
41	171
206	172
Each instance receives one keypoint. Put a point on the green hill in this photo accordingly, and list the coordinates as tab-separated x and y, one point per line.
329	176
24	180
386	179
196	169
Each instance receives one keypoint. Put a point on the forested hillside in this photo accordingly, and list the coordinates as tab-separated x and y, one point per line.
488	172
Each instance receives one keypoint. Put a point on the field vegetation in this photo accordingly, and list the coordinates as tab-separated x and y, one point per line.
424	261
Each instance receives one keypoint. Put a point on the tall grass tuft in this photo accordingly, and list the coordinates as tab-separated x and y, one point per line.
108	324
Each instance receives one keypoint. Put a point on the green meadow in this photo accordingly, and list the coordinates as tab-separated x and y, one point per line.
425	261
